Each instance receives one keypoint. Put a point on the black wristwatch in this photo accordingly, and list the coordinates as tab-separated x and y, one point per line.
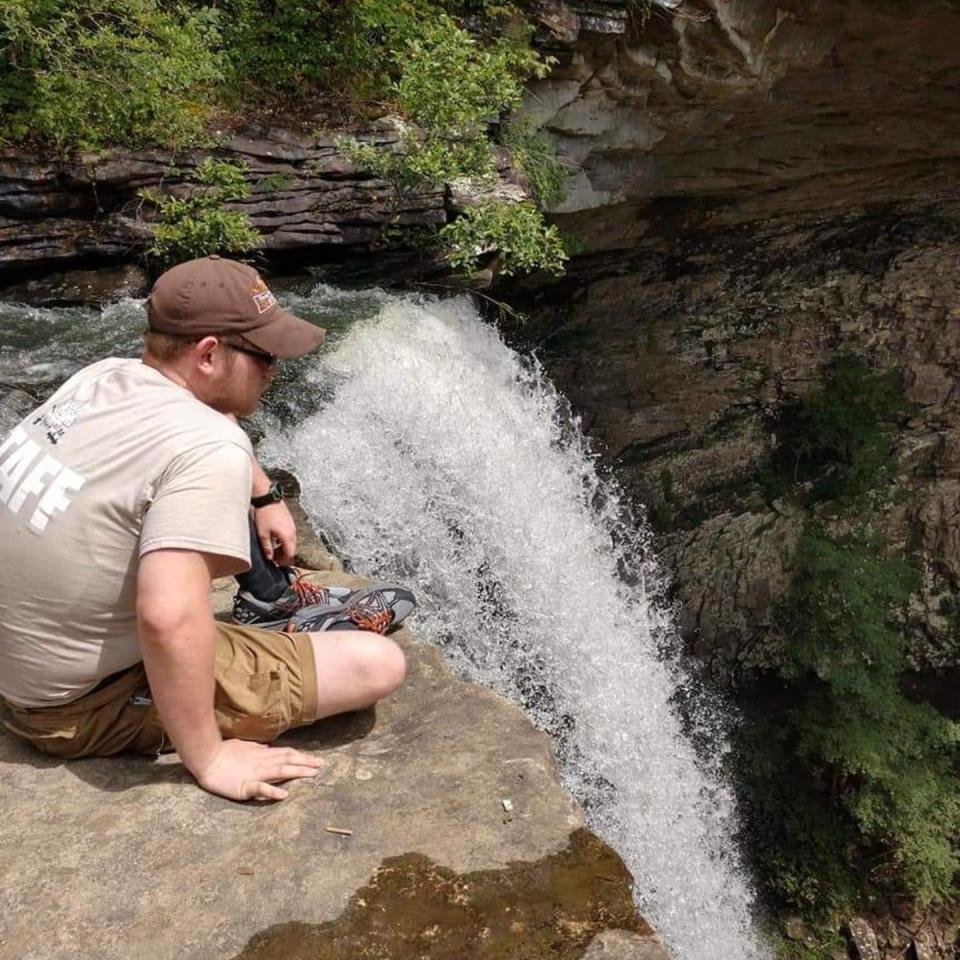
273	495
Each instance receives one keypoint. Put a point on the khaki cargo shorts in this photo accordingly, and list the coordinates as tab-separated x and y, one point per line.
265	684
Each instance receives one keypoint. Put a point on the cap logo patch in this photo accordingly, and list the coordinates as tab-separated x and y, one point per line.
262	296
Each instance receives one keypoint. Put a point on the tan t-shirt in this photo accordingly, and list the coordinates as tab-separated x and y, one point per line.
118	462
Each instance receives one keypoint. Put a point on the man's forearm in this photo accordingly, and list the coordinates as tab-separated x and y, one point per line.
261	482
179	663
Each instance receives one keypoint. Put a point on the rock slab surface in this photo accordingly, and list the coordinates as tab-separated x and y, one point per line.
404	845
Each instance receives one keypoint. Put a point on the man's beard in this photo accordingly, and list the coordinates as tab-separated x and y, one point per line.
226	398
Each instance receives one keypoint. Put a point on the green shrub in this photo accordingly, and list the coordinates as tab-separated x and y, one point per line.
851	784
346	50
516	232
85	73
451	87
197	225
274	48
450	83
838	438
533	155
352	51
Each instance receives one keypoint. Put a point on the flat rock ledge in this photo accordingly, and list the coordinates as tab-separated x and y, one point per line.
437	829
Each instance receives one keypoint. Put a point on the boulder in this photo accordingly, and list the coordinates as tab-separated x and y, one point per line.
864	939
437	828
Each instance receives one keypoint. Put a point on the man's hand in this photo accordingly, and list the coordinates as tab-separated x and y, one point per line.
275	528
276	532
242	770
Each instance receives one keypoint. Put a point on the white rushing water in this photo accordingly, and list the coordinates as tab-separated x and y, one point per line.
446	462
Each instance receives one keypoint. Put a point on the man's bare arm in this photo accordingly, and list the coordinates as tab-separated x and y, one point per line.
178	642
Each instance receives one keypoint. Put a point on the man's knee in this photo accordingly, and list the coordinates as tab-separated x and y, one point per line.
381	665
355	669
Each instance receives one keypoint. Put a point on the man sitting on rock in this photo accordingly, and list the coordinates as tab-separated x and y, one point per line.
121	498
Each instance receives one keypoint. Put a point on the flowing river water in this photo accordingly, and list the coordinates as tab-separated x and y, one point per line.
432	454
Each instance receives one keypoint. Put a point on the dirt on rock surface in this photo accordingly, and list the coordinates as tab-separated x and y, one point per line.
413	909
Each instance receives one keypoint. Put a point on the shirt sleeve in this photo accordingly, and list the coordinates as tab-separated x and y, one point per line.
202	502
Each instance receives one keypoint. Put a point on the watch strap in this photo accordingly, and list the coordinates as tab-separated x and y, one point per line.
273	495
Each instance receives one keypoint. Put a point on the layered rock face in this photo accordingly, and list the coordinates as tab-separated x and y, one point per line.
684	365
306	195
761	188
732	111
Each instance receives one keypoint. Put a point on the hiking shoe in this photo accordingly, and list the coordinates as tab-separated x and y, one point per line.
275	614
380	609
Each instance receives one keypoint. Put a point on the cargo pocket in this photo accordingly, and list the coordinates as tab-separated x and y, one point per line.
249	706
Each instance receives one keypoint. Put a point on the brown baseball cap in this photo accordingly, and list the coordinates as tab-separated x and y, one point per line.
216	295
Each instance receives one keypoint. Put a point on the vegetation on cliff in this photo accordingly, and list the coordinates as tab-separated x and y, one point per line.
851	785
99	73
837	440
196	225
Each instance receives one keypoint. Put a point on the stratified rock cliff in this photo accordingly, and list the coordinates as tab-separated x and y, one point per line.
734	111
306	195
764	187
684	365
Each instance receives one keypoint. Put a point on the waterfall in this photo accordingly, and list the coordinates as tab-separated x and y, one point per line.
443	460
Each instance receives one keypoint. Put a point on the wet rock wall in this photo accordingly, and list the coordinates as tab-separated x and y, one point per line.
758	189
682	362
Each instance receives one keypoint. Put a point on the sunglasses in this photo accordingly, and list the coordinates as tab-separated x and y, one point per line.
267	359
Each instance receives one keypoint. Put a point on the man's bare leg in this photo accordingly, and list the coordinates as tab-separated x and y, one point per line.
355	669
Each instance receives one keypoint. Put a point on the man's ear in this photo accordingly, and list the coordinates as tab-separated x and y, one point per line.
203	353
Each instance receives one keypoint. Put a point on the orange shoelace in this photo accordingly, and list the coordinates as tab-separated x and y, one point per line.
376	621
309	593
